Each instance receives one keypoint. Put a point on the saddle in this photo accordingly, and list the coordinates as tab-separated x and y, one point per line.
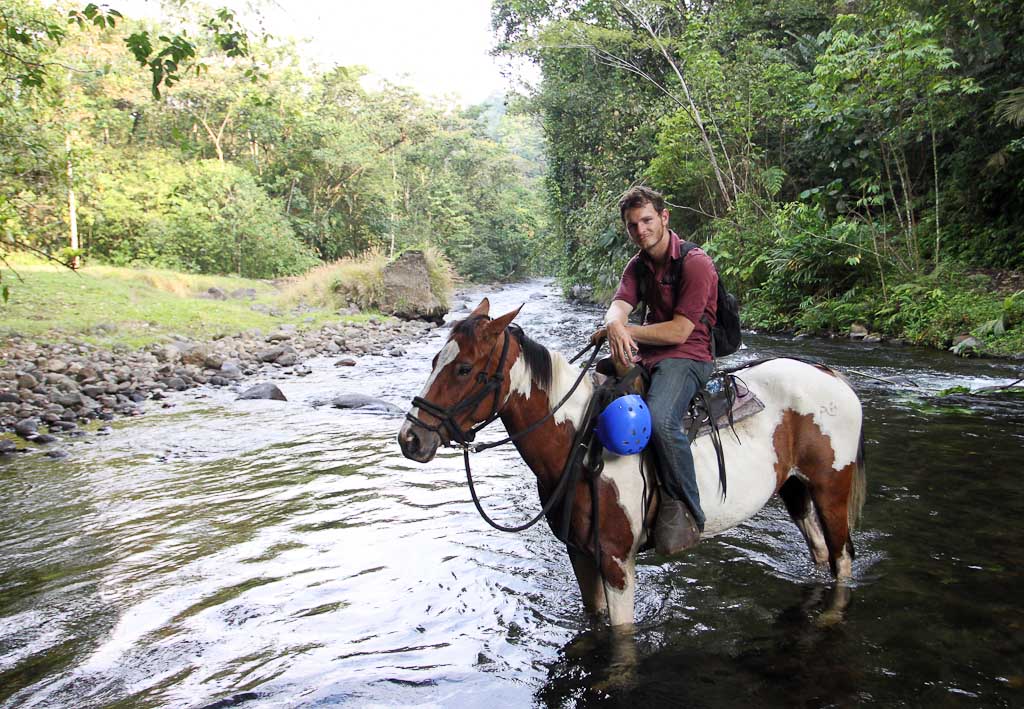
724	401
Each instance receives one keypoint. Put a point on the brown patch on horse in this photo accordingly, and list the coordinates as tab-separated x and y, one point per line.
616	533
827	370
545	451
800	443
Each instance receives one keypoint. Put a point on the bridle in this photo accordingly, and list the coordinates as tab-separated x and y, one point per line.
463	439
446	416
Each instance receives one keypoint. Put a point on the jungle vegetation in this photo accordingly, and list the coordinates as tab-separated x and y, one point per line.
852	161
199	146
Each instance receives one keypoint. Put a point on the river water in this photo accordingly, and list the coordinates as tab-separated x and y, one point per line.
223	553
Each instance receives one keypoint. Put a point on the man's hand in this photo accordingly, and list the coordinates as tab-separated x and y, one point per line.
599	336
621	344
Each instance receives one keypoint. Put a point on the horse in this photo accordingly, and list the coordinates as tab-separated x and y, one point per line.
805	446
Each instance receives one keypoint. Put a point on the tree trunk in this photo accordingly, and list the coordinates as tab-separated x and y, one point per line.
72	204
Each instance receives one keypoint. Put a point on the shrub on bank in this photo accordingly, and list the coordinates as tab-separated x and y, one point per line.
359	281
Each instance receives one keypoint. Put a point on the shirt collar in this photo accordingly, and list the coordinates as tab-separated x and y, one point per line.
674	246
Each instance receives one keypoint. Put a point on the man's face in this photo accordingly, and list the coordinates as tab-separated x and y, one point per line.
647	228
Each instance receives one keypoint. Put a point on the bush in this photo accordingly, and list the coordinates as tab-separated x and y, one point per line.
206	217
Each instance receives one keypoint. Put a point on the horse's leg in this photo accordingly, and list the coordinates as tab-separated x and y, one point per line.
589	580
621	601
800	507
831	500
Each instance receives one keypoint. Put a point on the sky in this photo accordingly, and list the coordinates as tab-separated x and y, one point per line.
439	47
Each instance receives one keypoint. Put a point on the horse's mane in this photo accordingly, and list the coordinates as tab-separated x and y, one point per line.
537	357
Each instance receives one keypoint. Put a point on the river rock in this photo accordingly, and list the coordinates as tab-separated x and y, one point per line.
362	401
406	289
216	293
27	381
9	397
27	428
67	399
263	391
230	370
7	446
176	383
56	365
858	332
270	355
345	362
288	359
56	453
966	346
873	337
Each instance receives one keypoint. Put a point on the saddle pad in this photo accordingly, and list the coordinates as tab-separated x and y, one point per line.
745	405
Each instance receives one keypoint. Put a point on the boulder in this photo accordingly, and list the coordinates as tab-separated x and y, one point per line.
345	362
858	332
272	354
406	289
966	346
263	391
288	359
362	401
230	370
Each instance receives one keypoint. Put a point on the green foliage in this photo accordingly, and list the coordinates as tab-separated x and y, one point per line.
253	165
205	217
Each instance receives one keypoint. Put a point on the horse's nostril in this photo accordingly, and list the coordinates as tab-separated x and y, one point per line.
413	442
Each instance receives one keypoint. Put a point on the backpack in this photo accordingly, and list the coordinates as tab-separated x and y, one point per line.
725	333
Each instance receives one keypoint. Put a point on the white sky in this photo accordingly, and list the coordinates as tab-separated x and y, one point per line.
439	47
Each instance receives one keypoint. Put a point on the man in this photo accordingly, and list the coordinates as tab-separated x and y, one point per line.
674	344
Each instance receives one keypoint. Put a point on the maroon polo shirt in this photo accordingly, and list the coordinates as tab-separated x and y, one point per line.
698	300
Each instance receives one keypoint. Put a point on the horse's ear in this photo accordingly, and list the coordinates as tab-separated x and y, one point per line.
482	309
498	324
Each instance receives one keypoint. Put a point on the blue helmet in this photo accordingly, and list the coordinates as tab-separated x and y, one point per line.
624	427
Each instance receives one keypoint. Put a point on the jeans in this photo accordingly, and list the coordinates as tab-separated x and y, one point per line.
674	383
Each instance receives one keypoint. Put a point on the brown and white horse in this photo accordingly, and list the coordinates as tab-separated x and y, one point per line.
804	446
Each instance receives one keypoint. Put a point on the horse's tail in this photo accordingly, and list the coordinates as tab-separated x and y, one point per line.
859	483
858	486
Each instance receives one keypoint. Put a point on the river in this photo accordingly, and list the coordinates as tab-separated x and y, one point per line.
222	553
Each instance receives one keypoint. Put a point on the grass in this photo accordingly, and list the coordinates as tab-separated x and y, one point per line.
359	281
111	306
136	307
334	285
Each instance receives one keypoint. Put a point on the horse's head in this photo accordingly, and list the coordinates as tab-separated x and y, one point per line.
467	386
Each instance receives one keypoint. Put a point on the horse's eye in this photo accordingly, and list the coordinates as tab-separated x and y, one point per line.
463	369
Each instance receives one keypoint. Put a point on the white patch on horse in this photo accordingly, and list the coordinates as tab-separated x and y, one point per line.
446	356
520	380
563	376
748	487
623	472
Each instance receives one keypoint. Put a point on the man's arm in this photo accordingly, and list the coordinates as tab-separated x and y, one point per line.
671	332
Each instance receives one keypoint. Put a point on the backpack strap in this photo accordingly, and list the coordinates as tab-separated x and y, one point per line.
644	276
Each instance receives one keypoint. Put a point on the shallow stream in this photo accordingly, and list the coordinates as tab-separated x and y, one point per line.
264	554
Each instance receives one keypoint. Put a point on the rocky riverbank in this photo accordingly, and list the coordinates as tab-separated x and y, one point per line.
48	389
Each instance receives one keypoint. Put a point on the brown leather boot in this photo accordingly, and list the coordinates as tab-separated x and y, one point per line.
676	529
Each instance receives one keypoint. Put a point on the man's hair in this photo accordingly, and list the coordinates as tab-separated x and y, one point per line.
637	197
